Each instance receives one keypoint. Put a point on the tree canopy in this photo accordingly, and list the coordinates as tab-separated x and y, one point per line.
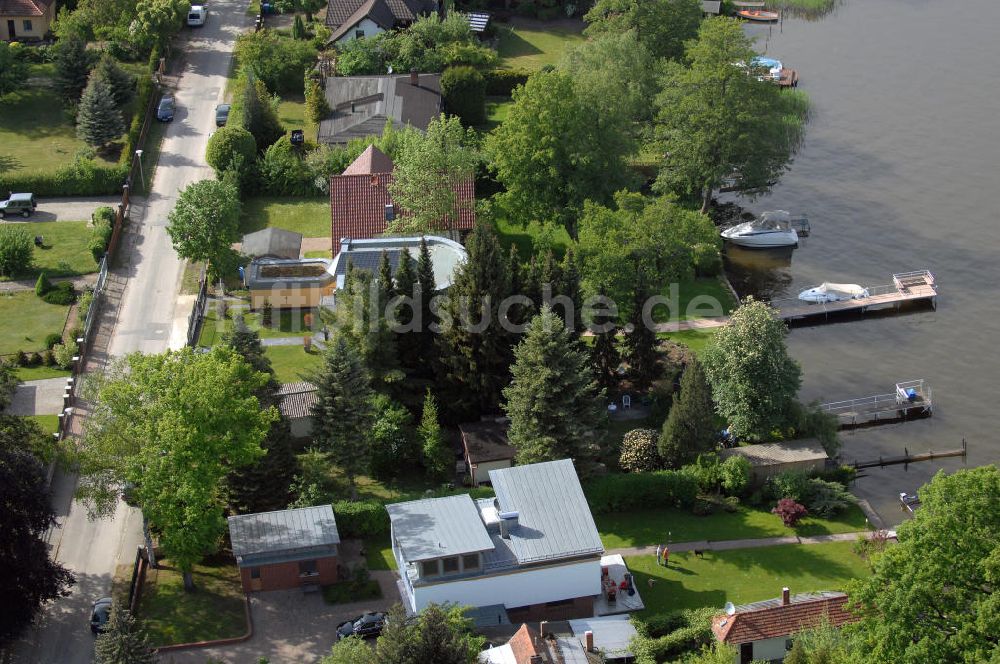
933	597
690	427
662	26
205	222
717	120
98	119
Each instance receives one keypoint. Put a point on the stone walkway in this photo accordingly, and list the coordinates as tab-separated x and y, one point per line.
726	545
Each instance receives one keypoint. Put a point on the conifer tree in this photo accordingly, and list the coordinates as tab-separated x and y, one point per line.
98	119
553	402
605	359
475	348
690	427
439	460
427	290
72	64
125	642
259	115
342	412
640	342
121	83
361	322
571	288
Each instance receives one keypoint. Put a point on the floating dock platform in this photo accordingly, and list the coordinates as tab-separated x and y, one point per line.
906	287
789	78
911	400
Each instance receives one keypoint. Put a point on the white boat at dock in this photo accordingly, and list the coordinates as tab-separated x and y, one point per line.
829	292
772	229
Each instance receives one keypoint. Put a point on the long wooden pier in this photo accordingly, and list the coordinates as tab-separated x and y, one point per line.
911	400
906	458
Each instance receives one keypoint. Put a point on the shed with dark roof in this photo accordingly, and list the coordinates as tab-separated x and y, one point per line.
286	549
295	401
486	448
272	243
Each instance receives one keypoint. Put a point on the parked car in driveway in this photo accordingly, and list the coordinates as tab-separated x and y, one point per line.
165	111
367	625
22	204
197	15
222	115
99	615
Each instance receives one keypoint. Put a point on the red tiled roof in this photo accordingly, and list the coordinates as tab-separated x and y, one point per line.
777	620
357	206
24	7
372	160
522	644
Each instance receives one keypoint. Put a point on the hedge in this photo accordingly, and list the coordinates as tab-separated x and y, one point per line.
144	92
84	177
361	519
100	236
501	82
637	491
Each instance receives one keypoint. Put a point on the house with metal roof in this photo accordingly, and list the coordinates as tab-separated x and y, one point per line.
446	256
533	548
360	106
294	548
763	630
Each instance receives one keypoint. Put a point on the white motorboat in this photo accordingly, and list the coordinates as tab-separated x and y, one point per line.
770	65
769	230
827	292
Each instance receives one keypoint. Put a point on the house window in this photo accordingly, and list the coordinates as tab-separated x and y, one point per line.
254	572
308	568
359	34
27	25
429	568
562	602
450	565
470	562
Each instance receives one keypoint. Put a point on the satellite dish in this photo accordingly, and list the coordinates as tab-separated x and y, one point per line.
729	608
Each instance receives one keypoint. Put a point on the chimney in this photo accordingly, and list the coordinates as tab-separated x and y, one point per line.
345	244
508	520
414	78
588	638
786	598
536	659
543	627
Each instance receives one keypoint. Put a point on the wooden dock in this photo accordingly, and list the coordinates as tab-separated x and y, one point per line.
906	287
906	458
789	79
911	400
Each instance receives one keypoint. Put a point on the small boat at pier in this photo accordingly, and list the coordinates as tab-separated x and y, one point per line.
828	292
772	229
758	15
910	502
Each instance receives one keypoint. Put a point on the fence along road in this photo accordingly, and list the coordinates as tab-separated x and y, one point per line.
149	320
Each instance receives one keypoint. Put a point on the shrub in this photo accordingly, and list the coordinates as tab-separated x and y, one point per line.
639	451
16	250
706	259
637	491
52	339
702	507
144	90
317	107
82	177
42	286
49	358
100	236
284	171
501	82
706	471
62	293
226	144
298	28
279	62
788	485
64	353
20	359
692	631
735	475
361	518
464	92
33	360
826	499
790	511
842	475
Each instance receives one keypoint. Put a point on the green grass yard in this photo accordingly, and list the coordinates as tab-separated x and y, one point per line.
704	297
532	44
39	373
292	114
37	132
285	323
290	362
25	321
48	423
743	575
309	216
696	340
524	237
214	610
643	528
64	252
497	109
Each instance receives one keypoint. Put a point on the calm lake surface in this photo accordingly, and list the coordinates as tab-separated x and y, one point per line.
899	172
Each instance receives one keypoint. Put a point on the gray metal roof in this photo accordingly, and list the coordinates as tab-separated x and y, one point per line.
554	519
362	104
296	399
612	634
365	254
272	242
775	454
438	527
271	537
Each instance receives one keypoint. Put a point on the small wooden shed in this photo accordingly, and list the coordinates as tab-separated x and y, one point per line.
770	459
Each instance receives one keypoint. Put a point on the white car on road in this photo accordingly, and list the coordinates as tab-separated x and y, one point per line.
197	15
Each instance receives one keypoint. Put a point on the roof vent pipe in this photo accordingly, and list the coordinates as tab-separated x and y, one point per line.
507	521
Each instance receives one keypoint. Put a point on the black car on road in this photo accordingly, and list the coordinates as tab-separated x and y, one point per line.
165	111
367	625
99	615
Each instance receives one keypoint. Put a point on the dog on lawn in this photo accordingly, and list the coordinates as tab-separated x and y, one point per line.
699	553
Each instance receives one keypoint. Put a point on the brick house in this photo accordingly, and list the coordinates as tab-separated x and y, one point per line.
286	549
357	19
763	630
26	20
361	206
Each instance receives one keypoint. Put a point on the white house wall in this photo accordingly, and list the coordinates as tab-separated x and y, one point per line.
483	469
520	588
770	649
369	26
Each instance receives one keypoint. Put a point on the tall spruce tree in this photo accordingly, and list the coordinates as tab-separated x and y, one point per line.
427	289
122	84
259	115
405	290
125	642
553	402
72	63
342	412
570	287
439	460
360	320
690	427
475	348
640	341
605	359
98	119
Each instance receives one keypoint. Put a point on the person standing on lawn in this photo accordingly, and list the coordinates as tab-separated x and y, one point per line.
659	550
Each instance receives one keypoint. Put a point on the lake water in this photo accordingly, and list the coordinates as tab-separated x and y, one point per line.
899	172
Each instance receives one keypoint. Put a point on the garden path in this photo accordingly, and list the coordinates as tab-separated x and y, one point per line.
725	545
29	284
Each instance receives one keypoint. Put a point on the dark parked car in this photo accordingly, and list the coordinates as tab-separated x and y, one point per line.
221	115
99	615
22	204
366	625
165	111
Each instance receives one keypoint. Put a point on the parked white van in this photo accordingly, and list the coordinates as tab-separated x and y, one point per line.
197	15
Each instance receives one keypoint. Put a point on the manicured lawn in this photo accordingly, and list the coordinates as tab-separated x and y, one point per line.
292	113
524	237
351	591
64	252
496	111
378	554
309	216
290	362
285	323
743	575
48	423
642	528
40	373
696	340
696	298
214	610
319	254
36	131
528	44
25	321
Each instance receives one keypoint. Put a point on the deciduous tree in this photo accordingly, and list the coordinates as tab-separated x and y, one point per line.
662	26
933	597
228	144
438	458
13	69
553	402
167	429
205	222
754	381
690	428
716	118
98	119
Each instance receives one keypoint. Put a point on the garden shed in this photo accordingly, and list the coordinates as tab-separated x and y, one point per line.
770	459
486	448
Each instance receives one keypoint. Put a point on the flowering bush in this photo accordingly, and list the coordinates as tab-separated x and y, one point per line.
789	511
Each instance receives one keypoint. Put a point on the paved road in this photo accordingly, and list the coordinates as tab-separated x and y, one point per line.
38	397
92	549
